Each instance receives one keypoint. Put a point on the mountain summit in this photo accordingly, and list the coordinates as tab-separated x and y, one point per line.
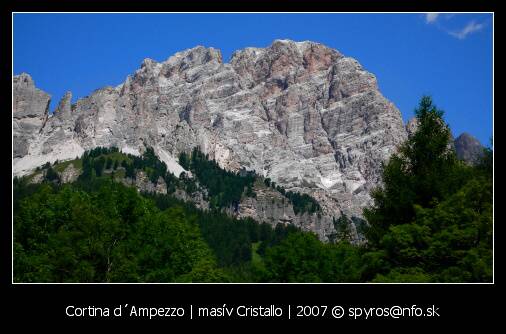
299	113
468	148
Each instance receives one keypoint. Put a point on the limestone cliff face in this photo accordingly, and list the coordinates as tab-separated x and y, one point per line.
299	113
468	148
30	112
272	207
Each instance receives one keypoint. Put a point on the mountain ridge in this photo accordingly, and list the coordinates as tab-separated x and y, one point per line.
298	113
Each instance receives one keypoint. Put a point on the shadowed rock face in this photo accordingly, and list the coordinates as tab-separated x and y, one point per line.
468	148
299	113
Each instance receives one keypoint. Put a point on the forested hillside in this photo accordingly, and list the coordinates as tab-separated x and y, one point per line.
431	222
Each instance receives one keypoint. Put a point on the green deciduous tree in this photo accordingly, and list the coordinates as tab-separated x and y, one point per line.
109	234
301	257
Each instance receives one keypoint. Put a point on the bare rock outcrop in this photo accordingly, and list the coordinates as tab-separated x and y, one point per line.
468	148
272	207
69	174
30	112
144	184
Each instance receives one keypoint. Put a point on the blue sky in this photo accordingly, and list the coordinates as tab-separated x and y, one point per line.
448	56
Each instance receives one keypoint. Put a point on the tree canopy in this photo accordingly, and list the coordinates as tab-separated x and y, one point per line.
432	217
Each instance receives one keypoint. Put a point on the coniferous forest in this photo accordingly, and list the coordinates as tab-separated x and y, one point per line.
431	221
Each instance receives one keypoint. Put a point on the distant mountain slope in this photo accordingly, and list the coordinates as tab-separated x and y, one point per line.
468	148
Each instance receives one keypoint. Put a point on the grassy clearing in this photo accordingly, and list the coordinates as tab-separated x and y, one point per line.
78	163
60	167
117	156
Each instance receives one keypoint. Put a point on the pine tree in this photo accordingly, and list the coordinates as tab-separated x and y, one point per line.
130	171
52	175
98	166
421	173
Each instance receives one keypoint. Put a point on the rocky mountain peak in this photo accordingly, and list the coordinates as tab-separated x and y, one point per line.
30	111
149	63
468	148
23	80
196	56
64	107
299	113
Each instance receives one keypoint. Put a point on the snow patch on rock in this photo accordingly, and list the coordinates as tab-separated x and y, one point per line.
172	165
130	150
328	182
